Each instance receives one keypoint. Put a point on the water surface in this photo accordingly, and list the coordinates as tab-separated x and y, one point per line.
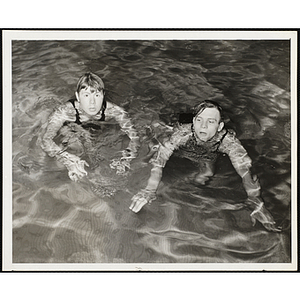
58	221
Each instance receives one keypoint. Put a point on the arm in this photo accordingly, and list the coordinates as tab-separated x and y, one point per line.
148	194
72	162
242	164
164	152
126	126
55	122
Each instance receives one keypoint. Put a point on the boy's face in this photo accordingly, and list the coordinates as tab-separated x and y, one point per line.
207	123
90	100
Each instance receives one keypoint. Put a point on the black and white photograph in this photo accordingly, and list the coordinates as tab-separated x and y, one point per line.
150	150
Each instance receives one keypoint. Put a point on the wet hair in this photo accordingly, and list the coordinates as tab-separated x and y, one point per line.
208	104
92	80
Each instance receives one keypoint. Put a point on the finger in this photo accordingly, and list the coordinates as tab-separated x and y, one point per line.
132	204
73	176
271	227
267	226
253	220
77	177
81	175
275	229
81	164
139	205
134	200
81	170
136	208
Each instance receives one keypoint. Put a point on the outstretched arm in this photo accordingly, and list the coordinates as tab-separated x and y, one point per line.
242	164
126	126
148	194
255	203
55	122
72	162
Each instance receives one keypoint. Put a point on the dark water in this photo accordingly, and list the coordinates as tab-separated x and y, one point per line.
58	221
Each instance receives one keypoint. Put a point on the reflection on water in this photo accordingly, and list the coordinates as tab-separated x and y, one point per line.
58	221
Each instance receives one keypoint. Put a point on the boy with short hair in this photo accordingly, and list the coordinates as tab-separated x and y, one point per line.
89	105
201	141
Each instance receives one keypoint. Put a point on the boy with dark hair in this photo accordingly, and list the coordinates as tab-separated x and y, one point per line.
200	142
89	105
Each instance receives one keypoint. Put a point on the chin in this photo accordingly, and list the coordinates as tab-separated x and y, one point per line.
203	138
93	113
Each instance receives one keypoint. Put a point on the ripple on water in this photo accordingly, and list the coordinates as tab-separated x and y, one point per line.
59	221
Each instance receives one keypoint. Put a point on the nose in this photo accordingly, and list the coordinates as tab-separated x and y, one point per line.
92	100
204	124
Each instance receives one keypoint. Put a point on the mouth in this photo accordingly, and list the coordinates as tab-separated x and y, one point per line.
92	109
202	136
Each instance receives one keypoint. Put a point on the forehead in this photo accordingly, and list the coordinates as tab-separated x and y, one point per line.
210	113
89	89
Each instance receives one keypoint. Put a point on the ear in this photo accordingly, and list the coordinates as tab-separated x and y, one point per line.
221	126
77	96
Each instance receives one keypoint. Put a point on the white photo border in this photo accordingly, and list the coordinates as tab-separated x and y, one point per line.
10	35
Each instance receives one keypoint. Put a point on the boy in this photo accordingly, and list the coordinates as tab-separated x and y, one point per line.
200	142
89	105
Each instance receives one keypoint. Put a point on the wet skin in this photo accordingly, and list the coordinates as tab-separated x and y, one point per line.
90	100
207	123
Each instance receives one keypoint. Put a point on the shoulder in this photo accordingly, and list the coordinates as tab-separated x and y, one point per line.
230	142
68	106
112	108
181	134
110	105
65	110
230	135
183	129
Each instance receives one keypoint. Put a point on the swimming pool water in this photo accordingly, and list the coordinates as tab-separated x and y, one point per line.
58	221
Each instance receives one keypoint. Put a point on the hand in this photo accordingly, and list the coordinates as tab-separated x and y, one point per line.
262	215
129	153
140	199
124	162
74	165
121	165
